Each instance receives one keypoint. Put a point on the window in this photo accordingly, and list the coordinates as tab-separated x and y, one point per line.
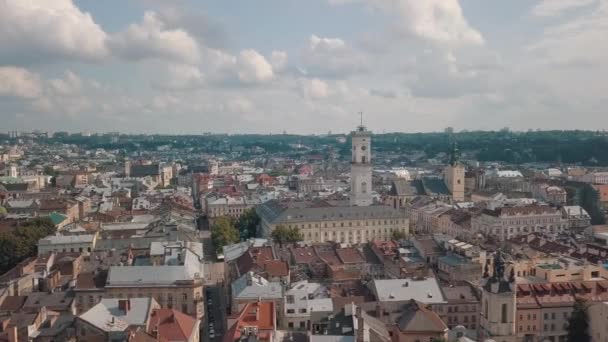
290	324
364	187
303	310
290	311
302	324
184	296
185	308
503	316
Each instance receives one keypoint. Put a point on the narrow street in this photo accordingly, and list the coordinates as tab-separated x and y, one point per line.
215	317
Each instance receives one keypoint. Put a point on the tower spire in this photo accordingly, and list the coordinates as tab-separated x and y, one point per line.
361	127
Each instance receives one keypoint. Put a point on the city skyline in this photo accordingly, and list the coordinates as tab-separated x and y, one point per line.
187	67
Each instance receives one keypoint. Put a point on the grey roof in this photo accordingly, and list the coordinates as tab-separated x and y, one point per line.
144	170
331	338
434	186
101	314
250	285
424	290
275	212
67	239
403	187
146	275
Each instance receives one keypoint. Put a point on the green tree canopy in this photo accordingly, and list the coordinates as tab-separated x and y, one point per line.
283	234
223	232
21	243
398	235
2	211
578	323
247	224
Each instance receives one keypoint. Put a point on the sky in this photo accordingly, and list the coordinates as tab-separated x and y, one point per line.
303	67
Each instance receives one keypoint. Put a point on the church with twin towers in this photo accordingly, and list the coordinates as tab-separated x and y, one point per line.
358	220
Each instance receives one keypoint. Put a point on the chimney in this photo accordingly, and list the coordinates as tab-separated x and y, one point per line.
12	334
124	305
360	329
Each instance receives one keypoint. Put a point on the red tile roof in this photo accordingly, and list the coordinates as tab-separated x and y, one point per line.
172	325
260	315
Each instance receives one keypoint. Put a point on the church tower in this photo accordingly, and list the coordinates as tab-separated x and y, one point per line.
361	167
453	176
498	304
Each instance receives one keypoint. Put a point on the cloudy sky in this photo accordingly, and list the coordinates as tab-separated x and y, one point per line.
193	66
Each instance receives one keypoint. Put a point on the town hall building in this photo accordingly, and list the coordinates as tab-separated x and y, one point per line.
357	220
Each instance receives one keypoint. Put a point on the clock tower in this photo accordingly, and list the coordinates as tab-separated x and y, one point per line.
361	167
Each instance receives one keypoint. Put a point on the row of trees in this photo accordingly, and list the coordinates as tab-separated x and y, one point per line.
17	245
225	230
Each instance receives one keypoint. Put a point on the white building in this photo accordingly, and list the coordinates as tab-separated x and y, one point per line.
301	300
508	222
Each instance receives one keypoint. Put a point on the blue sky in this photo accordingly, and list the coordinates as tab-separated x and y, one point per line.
186	66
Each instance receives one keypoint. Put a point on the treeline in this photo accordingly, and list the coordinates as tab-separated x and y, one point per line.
19	244
582	147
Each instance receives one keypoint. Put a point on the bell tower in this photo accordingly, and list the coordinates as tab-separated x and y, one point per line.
453	176
498	304
361	167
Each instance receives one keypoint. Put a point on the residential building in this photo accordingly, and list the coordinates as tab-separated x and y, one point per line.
112	319
508	222
419	323
250	288
577	216
67	243
301	300
257	320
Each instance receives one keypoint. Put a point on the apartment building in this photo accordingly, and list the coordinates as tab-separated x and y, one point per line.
508	222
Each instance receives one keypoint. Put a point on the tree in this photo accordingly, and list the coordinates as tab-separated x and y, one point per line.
589	198
17	245
223	232
398	235
2	211
578	323
282	234
248	223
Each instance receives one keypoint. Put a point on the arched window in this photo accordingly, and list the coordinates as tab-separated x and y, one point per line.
364	186
363	159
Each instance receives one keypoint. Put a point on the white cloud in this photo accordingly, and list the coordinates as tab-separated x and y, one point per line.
438	21
239	105
151	39
182	77
19	82
549	8
278	59
313	88
70	85
575	42
39	31
253	67
333	58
